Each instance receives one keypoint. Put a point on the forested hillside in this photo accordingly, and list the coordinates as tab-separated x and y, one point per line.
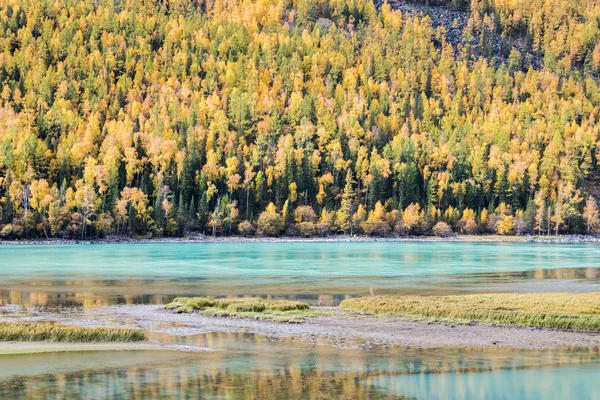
308	117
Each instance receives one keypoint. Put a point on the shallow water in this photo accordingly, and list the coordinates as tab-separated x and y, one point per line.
251	366
73	278
316	272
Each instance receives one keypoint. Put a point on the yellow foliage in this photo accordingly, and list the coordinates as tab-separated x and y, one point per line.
271	209
413	218
506	225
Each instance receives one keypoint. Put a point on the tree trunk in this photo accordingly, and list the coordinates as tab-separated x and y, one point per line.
247	201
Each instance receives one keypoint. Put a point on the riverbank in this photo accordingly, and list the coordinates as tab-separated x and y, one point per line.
11	348
327	239
332	325
346	328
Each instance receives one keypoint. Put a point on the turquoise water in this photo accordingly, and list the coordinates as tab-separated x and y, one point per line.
154	273
569	382
247	366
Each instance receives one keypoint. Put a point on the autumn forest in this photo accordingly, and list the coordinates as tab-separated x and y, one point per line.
152	118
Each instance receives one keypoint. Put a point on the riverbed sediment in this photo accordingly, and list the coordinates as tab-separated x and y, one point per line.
11	348
334	326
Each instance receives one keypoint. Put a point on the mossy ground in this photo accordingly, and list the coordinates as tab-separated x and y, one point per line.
34	332
546	310
246	307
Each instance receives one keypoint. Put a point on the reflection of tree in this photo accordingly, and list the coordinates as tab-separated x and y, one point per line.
92	291
88	297
302	371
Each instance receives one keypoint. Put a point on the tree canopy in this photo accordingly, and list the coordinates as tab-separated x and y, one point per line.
144	117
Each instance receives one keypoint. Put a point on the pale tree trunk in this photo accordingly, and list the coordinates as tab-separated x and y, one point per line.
216	213
25	199
247	201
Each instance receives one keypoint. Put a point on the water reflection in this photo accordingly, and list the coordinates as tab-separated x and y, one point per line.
249	366
95	275
328	292
570	382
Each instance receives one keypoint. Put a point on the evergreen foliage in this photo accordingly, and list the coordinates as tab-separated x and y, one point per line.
155	118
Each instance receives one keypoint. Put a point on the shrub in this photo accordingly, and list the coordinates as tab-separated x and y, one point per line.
291	230
323	228
270	224
468	226
376	228
306	229
442	229
11	231
245	228
492	223
520	226
399	229
394	219
105	224
305	214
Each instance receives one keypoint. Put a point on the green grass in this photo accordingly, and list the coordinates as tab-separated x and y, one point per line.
36	332
546	310
246	307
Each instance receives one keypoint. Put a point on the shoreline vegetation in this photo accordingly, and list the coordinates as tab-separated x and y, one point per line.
579	312
533	321
563	311
246	307
52	332
315	239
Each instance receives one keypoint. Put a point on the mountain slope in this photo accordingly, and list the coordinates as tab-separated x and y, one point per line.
160	118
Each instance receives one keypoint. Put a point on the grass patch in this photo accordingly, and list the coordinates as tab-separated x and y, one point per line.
290	317
246	307
52	332
545	310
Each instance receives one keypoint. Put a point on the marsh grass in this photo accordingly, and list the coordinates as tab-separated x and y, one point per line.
290	317
36	332
546	310
246	307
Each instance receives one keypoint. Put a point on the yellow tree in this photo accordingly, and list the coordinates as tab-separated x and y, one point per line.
41	199
413	218
591	215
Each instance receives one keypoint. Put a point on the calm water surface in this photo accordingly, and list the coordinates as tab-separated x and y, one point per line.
245	366
255	367
154	273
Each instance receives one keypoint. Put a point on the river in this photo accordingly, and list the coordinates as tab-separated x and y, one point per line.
59	277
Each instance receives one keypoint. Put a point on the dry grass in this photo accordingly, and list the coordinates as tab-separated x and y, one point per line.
246	307
35	332
548	310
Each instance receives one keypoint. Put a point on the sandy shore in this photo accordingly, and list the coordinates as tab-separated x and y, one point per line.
328	239
7	348
335	326
52	347
345	328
